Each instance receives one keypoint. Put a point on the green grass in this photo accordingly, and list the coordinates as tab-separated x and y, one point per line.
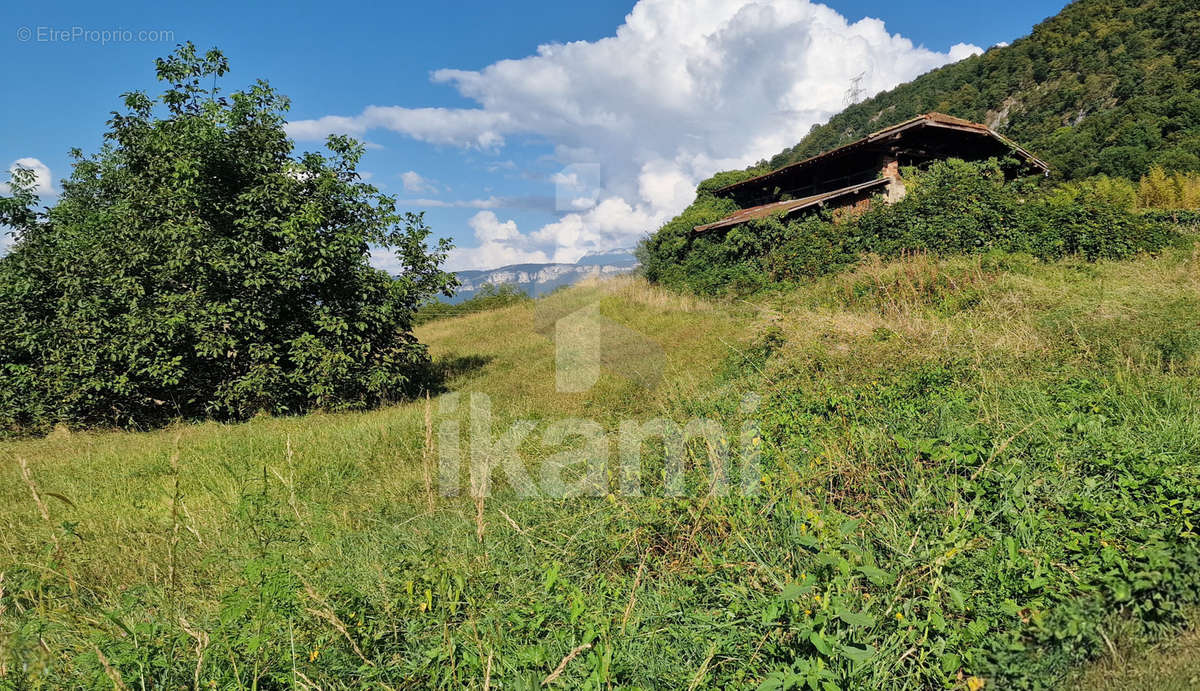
977	467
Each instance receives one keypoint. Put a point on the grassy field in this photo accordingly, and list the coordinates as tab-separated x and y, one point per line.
971	472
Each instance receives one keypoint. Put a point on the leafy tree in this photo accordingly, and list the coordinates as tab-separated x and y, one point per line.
196	267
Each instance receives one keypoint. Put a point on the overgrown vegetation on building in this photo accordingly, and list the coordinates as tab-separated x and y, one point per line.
953	207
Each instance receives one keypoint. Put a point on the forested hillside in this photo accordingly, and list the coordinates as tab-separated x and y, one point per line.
1106	86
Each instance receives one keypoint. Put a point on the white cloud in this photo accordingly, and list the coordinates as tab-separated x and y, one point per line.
488	227
683	89
431	203
385	259
499	243
415	183
43	187
501	165
465	127
532	202
43	181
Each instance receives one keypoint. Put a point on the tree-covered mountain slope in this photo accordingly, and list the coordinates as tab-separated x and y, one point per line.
1105	86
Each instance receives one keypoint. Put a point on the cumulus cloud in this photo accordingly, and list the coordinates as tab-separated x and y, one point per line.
415	183
43	187
464	127
683	89
43	181
499	243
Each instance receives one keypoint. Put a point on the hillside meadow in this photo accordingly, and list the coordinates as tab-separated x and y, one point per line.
975	472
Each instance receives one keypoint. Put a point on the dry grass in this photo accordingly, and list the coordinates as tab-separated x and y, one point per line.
517	354
984	309
122	486
1172	666
639	291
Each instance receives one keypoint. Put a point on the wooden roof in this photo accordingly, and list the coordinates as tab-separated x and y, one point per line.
936	120
788	207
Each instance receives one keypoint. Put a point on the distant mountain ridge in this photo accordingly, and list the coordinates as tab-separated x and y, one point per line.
539	279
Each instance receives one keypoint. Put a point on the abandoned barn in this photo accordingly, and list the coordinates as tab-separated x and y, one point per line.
847	179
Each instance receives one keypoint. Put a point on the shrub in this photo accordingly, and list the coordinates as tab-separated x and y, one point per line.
194	267
808	248
1185	219
489	297
676	256
1119	192
1094	229
953	207
1180	190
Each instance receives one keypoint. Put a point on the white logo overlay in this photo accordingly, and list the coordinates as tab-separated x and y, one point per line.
582	458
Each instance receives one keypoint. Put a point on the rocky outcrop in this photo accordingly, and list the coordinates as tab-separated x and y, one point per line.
539	279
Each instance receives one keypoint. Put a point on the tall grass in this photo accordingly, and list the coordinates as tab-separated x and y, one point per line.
930	427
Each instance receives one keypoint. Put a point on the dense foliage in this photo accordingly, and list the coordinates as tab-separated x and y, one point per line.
1158	190
489	297
953	207
1105	86
194	267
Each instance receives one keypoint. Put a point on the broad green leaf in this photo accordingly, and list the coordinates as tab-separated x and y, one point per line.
860	619
957	598
820	643
791	591
876	575
950	663
857	653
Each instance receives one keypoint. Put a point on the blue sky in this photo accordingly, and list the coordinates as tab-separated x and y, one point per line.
587	145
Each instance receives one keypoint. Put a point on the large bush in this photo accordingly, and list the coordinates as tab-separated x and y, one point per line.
960	207
195	267
953	207
674	254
